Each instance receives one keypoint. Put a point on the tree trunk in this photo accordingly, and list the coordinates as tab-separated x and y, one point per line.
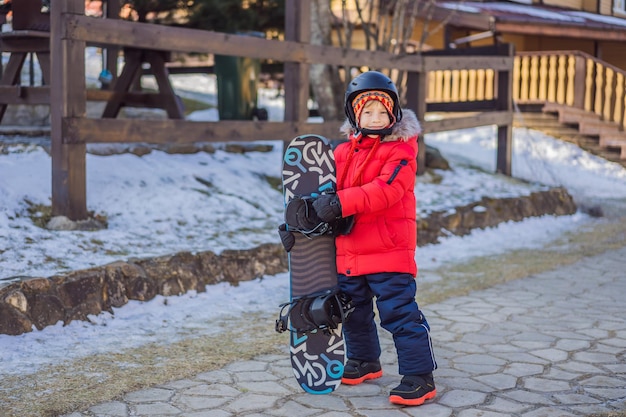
328	88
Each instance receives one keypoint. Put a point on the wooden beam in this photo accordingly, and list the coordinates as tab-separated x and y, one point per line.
106	32
23	44
438	63
461	106
499	118
17	94
85	130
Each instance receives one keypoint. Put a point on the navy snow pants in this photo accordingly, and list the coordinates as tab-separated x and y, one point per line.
399	314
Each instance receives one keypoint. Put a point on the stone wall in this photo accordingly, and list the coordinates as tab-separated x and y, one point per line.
40	302
489	212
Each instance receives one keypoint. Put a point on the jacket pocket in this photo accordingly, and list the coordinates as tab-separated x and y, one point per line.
385	232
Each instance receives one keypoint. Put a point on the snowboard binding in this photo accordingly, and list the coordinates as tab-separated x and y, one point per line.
319	311
300	216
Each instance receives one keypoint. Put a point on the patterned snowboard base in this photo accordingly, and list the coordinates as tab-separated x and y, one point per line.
317	357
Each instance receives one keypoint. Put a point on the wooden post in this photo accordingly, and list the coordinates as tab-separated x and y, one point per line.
504	102
416	100
67	95
298	29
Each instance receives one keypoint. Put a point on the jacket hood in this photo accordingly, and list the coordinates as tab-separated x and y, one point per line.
406	128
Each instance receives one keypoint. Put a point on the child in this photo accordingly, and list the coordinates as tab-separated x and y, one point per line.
376	172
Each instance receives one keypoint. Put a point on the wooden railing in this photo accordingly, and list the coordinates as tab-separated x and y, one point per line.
454	86
572	78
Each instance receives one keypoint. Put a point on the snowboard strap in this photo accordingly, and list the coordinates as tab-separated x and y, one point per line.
323	310
300	216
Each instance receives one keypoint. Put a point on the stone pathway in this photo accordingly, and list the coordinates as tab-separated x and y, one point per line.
549	345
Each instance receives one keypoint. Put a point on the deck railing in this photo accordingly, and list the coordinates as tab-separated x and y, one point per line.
453	86
572	78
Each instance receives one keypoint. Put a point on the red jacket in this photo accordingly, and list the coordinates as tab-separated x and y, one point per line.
382	200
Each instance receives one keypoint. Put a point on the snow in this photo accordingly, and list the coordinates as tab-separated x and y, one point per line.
161	204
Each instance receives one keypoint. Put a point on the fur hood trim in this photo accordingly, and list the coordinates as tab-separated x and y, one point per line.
408	127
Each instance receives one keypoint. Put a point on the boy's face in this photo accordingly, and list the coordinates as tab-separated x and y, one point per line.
374	116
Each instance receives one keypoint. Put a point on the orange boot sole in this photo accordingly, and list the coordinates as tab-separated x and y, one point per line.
396	399
356	381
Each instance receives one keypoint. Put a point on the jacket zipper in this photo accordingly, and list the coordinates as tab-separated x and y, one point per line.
395	171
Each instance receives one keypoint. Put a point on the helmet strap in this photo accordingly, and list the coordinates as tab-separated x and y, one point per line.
379	132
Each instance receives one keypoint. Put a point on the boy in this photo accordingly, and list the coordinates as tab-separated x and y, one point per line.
376	172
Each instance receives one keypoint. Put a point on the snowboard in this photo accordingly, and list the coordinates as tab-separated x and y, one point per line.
317	356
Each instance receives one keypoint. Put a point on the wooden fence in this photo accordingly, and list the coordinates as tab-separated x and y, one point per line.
71	31
572	78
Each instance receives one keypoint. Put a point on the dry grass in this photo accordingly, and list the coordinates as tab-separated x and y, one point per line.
80	383
484	272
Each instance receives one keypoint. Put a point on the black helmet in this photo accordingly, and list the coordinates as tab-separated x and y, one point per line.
371	80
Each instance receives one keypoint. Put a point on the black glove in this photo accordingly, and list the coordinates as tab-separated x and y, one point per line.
286	237
328	207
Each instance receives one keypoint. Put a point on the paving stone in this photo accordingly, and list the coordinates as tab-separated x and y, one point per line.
553	355
520	369
572	344
269	387
246	366
335	414
575	399
180	384
579	367
608	393
430	409
505	406
208	413
499	381
188	402
527	397
471	384
547	412
150	394
156	409
250	402
331	402
256	376
292	408
112	409
594	357
370	403
216	377
603	381
213	390
545	385
383	413
556	373
482	413
462	398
